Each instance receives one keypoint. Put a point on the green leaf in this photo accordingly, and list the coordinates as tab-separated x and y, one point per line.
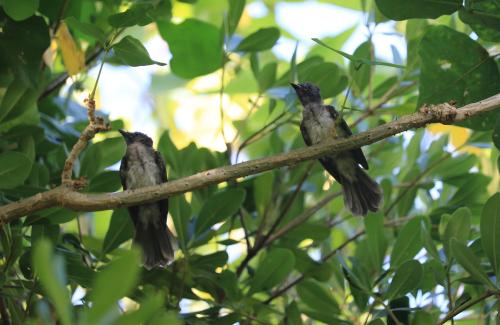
292	314
360	72
458	227
484	18
114	282
469	262
23	44
107	181
113	150
406	279
87	29
454	67
14	92
15	167
119	231
404	9
327	76
91	161
130	51
261	40
317	296
142	13
377	243
490	232
235	10
188	42
20	10
180	211
496	133
218	208
149	306
274	268
358	59
50	271
170	153
408	243
267	76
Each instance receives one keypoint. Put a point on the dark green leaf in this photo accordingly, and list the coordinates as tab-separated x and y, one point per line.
44	230
107	181
490	231
14	92
496	133
317	296
218	208
484	18
377	243
190	41
120	230
114	282
20	10
235	10
142	13
360	72
458	227
87	29
408	243
469	262
267	76
406	279
15	167
50	271
149	306
130	51
404	9
180	211
274	268
454	67
327	76
261	40
91	161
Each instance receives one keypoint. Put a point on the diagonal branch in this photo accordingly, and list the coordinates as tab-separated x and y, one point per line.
443	113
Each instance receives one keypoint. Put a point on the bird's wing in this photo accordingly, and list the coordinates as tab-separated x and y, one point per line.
132	211
305	135
356	153
163	175
123	168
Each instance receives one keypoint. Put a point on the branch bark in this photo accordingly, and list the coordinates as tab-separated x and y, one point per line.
65	197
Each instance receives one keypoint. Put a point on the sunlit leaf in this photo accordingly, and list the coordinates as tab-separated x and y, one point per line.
130	51
261	40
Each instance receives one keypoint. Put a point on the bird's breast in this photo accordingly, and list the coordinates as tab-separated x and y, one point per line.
142	168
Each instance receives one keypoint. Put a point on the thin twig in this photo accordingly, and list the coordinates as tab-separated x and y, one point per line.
467	305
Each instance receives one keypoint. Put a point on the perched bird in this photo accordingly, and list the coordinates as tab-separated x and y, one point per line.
143	166
321	122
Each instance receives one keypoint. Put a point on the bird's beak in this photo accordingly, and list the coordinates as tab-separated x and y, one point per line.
125	135
295	86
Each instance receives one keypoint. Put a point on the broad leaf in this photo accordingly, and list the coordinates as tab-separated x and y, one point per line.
458	227
261	40
466	258
15	167
120	230
490	231
317	296
408	243
404	9
406	279
274	268
130	51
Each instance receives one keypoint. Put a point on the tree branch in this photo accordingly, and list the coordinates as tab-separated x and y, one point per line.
467	305
64	197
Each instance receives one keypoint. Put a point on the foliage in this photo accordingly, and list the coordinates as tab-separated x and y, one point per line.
241	257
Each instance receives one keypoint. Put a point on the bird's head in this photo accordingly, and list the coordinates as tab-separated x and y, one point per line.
136	137
307	93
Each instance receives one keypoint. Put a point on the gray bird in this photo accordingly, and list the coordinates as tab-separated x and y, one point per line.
321	122
143	166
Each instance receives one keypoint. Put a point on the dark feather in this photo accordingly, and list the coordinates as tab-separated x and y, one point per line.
163	175
305	135
133	211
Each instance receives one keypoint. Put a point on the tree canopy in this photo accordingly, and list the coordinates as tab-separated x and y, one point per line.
263	234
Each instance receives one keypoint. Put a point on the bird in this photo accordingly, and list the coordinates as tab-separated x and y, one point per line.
144	166
321	122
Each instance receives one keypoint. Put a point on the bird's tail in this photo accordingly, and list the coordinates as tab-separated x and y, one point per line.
156	243
362	195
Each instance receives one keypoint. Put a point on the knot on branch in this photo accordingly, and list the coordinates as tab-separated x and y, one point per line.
444	113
